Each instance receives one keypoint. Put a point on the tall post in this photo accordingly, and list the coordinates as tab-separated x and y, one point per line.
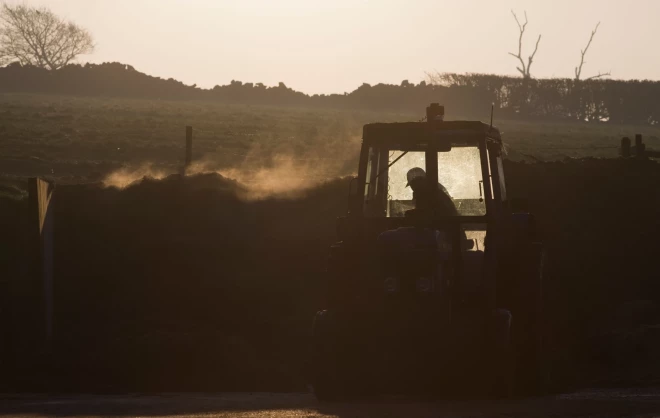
625	147
639	146
41	258
189	138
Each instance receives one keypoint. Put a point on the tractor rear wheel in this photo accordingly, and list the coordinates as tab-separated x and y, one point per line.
501	361
528	328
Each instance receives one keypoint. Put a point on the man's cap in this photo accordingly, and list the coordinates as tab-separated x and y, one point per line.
414	173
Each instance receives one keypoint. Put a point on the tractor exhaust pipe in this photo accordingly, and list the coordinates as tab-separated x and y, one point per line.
435	112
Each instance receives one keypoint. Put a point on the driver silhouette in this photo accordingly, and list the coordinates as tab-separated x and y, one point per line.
427	197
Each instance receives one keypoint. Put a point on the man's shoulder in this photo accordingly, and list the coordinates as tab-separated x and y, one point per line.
443	189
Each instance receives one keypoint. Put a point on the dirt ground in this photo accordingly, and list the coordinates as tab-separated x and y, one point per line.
588	403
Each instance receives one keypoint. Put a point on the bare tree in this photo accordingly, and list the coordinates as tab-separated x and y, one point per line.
578	70
37	36
524	69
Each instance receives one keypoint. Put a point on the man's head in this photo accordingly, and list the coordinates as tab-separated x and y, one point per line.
415	176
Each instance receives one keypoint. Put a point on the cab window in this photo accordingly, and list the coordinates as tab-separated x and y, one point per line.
399	193
459	178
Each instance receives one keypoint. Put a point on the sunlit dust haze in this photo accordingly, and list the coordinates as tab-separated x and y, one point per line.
286	177
279	175
126	176
320	46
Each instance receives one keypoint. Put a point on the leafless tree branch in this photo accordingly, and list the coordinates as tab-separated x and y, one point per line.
599	75
36	36
524	69
583	53
531	57
522	28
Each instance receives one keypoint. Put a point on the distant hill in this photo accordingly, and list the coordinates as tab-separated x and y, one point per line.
468	95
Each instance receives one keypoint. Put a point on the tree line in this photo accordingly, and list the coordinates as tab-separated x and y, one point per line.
465	95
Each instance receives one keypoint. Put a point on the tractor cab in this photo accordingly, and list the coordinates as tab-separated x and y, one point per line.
463	158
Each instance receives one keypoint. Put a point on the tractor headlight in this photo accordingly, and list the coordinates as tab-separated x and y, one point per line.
391	284
424	284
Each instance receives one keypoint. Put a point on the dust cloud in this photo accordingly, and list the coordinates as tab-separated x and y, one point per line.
126	176
284	175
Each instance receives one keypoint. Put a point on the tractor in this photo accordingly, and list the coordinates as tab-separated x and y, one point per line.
426	300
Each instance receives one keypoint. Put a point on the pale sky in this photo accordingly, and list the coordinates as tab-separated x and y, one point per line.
333	46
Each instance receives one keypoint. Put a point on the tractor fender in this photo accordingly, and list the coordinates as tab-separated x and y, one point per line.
520	290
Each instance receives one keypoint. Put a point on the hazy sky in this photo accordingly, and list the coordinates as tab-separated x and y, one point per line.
333	46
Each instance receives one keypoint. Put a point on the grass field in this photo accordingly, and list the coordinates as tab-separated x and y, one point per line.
76	139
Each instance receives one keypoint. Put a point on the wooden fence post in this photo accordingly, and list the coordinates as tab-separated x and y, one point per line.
625	147
189	138
41	258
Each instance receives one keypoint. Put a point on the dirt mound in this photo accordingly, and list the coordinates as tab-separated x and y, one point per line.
185	280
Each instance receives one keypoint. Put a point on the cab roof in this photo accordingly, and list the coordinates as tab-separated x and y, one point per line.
401	131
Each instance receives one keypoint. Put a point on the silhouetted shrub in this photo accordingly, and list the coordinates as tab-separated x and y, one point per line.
615	101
